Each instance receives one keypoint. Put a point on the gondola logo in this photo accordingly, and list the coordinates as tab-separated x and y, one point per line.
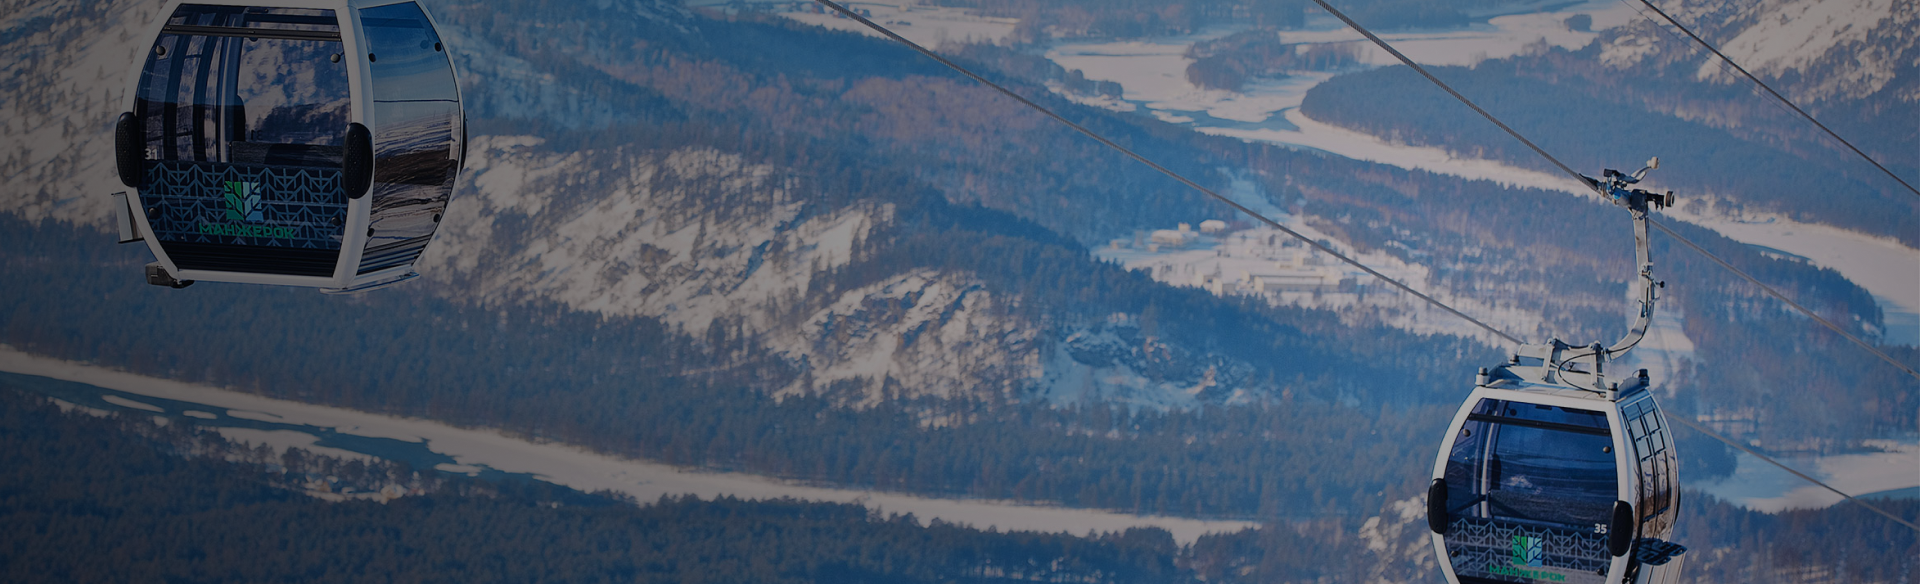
1526	562
243	206
1526	551
243	201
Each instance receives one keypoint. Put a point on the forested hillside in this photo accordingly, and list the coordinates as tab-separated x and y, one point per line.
107	499
1719	172
1230	62
628	385
86	499
743	244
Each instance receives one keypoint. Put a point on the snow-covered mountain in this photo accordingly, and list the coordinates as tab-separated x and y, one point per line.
716	245
63	81
1818	53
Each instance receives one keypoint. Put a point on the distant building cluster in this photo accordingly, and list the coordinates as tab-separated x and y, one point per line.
817	8
1243	262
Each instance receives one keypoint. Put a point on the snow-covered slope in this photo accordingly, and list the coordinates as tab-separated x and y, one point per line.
1813	50
692	236
62	82
723	248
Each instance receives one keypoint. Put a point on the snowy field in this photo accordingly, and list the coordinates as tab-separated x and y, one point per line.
476	450
1228	256
929	26
1764	487
1755	484
1153	71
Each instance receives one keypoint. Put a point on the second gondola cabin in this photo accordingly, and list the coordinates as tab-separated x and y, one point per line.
289	143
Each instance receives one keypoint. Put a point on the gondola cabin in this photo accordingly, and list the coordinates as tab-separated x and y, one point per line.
1553	472
289	143
1542	483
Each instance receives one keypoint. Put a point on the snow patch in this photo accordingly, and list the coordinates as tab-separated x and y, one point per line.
1268	263
67	406
928	26
256	416
58	102
281	440
1153	71
687	236
466	469
919	333
1764	487
127	403
1789	35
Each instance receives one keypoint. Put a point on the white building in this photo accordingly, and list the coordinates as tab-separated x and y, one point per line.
1174	239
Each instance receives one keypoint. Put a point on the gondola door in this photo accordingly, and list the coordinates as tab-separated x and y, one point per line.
1529	491
239	113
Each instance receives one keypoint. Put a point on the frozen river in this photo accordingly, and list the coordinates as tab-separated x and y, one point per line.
481	452
428	444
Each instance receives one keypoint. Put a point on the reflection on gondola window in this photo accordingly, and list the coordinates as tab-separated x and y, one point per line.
260	86
1533	464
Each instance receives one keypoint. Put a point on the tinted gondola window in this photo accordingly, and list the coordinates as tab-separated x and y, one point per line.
416	114
246	85
1535	479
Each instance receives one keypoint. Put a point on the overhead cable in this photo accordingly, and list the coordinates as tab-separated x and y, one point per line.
1783	298
1583	180
1776	95
1164	170
1456	95
1862	502
1589	184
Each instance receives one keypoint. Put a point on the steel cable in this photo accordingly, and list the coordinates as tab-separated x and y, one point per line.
1782	98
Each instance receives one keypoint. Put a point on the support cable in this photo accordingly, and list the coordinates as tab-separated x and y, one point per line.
1582	179
1796	306
1641	10
1164	170
1350	261
1776	95
1862	502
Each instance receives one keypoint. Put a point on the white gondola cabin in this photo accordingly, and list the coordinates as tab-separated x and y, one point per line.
1550	471
289	143
1542	483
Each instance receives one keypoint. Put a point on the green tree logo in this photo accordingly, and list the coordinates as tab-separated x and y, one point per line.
243	201
1527	551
